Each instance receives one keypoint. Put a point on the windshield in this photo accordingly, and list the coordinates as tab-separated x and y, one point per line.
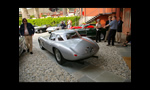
72	35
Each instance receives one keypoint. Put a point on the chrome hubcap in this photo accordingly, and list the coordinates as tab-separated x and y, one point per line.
58	56
40	31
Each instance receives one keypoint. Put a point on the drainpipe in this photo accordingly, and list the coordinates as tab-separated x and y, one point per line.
85	15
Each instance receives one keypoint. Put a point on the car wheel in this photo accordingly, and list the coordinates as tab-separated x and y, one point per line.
49	32
102	36
40	44
40	31
59	58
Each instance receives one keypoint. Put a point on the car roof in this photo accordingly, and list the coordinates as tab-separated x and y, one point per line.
63	31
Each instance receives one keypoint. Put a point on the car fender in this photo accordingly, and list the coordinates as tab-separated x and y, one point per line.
66	52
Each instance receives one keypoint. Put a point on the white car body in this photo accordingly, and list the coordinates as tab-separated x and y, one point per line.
51	29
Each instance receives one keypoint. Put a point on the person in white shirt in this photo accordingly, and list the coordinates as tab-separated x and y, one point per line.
98	30
69	24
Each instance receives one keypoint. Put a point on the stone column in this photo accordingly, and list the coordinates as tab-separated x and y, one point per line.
25	13
36	12
64	11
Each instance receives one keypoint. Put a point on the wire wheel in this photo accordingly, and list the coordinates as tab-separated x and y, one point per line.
58	55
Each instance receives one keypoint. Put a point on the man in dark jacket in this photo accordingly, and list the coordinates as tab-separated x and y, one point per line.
27	30
119	30
107	28
63	25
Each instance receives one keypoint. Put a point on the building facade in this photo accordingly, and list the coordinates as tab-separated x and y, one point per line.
88	15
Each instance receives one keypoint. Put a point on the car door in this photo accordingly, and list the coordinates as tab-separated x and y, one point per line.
91	32
82	32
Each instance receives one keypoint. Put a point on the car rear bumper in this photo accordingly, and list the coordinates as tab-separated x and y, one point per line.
80	57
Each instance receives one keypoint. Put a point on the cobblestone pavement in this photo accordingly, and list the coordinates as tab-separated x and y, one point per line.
41	66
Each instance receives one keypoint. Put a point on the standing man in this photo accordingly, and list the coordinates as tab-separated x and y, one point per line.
27	30
107	28
98	30
63	25
113	27
119	30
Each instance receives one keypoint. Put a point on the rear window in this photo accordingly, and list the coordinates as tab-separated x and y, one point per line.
72	35
60	38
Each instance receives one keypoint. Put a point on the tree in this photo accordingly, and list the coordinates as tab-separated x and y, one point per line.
25	13
36	12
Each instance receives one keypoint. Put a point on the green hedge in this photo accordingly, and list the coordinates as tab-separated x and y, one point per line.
52	21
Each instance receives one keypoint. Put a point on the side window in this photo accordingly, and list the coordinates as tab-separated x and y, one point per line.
72	35
52	37
60	38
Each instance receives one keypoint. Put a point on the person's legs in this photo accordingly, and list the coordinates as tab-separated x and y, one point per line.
113	36
27	42
96	35
106	36
109	37
116	36
30	42
104	33
119	36
99	34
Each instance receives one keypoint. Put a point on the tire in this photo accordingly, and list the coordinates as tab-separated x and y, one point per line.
58	56
49	32
102	36
40	44
40	31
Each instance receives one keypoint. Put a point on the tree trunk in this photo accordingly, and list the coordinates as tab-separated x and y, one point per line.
36	13
64	11
25	13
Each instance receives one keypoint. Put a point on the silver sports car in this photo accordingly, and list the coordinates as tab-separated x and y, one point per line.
68	45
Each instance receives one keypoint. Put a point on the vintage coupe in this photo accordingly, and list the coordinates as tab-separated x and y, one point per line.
89	30
51	29
68	45
40	29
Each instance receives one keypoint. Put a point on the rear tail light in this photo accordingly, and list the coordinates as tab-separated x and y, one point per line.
75	54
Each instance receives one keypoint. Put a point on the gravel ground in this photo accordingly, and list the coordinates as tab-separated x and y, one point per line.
39	68
110	60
